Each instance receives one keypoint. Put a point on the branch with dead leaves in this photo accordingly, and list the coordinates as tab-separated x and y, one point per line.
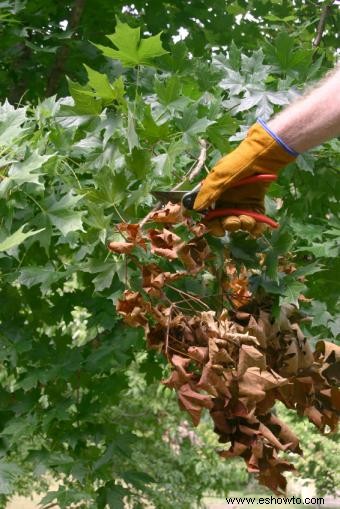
235	364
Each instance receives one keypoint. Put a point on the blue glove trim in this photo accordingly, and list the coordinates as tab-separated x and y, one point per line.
277	138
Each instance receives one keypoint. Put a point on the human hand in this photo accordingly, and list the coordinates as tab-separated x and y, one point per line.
259	153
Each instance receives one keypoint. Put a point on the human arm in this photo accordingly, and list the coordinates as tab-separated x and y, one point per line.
313	118
269	147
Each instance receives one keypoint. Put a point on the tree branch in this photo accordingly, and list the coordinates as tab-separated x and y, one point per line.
200	161
57	71
321	26
188	177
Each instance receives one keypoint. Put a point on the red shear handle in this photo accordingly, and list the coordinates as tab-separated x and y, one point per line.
261	218
261	177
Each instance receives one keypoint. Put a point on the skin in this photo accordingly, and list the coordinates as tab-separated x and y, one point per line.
313	118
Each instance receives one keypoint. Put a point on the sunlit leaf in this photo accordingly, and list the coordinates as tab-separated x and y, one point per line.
132	49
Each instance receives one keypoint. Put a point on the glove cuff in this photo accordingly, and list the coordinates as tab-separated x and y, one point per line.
277	138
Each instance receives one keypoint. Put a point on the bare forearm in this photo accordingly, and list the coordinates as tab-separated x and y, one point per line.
313	118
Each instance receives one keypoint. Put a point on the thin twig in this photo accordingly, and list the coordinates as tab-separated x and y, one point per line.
118	213
200	161
321	26
167	331
179	351
188	177
192	297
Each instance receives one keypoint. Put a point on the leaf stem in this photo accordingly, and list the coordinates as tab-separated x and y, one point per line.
35	201
136	91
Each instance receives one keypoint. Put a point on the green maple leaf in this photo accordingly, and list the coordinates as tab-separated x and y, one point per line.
233	82
153	131
85	101
11	120
281	242
163	163
62	214
328	249
100	84
334	326
8	473
320	314
191	124
168	90
17	238
292	292
44	276
132	50
97	93
105	273
28	170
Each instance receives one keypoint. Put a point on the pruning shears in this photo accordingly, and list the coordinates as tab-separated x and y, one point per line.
187	198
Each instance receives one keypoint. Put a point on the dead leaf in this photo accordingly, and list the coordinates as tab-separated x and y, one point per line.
250	356
236	365
165	243
171	213
193	402
121	247
134	308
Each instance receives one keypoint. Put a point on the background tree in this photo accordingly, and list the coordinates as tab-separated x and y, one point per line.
43	41
72	168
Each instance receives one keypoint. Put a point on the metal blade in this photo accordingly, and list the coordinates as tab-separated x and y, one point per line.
165	196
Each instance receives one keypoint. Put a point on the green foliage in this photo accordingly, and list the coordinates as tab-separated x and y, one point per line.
132	49
72	168
17	238
35	33
320	459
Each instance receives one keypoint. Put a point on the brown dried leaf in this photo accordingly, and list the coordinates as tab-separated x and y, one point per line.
283	432
198	229
131	231
154	279
250	356
213	383
236	365
328	356
237	449
193	402
193	254
271	469
171	213
199	353
165	243
121	247
133	308
254	384
156	337
237	285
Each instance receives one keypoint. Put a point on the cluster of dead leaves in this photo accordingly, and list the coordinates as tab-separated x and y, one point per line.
164	242
237	371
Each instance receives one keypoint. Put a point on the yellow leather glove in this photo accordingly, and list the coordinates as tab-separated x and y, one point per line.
249	197
260	152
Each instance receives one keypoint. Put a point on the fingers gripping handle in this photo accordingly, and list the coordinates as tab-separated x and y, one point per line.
260	218
190	197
